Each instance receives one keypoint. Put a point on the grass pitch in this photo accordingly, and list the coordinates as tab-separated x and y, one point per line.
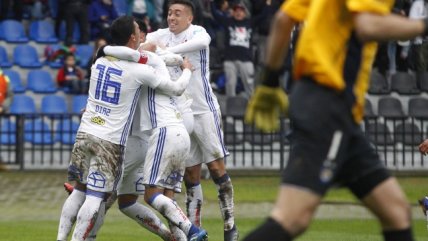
30	205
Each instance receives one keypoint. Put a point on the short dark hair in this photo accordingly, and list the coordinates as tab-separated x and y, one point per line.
188	3
141	25
121	29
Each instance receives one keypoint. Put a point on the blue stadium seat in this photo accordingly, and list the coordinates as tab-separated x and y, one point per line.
84	54
76	32
8	132
65	132
40	81
37	132
23	104
15	80
4	59
13	32
26	56
55	106
42	32
78	103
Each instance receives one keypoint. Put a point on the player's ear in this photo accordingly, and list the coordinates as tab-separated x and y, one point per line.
190	19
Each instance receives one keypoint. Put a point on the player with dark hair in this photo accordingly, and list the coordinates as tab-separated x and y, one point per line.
333	60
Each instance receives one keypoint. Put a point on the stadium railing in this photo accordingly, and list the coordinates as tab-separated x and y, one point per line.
45	141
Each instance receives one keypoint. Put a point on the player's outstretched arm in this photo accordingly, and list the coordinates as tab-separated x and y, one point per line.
200	41
376	27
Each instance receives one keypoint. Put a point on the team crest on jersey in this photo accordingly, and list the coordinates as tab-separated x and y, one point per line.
96	179
143	58
98	120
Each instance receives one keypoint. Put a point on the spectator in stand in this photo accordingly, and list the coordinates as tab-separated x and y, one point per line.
101	15
6	93
144	9
76	10
238	52
11	9
71	76
419	47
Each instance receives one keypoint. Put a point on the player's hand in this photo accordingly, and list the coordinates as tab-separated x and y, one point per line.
186	64
265	107
423	147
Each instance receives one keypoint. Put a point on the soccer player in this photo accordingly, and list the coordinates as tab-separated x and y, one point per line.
95	164
200	105
332	63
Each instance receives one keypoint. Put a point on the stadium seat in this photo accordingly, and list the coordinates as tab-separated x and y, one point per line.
13	32
408	134
42	32
231	136
418	108
1	31
37	132
23	104
8	132
236	106
4	59
84	54
26	56
65	132
378	84
422	79
368	109
379	133
404	83
15	80
390	107
78	103
40	81
256	137
54	106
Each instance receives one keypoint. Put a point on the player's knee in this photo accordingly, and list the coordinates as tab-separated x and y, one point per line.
398	216
192	175
126	200
217	168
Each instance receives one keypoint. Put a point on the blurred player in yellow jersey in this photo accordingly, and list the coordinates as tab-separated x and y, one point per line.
333	60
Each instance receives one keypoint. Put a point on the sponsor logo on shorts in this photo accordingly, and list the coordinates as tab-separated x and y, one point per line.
98	120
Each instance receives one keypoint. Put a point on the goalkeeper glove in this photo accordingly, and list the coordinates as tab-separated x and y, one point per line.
268	102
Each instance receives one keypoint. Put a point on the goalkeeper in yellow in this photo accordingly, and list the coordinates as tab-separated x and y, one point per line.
332	64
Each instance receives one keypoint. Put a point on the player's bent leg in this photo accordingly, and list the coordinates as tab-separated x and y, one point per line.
225	196
388	202
87	215
294	208
143	215
194	196
69	211
170	210
104	207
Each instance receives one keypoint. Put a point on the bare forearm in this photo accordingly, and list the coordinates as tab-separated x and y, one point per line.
373	27
279	40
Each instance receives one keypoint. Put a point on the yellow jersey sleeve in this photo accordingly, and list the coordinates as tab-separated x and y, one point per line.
373	6
296	9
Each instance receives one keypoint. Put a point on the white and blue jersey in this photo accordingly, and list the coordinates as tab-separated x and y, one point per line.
114	90
196	50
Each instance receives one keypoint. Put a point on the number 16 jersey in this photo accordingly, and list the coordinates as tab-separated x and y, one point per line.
114	90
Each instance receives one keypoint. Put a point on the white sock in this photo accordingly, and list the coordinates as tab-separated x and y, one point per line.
177	232
69	212
98	223
225	199
194	200
145	217
172	212
86	218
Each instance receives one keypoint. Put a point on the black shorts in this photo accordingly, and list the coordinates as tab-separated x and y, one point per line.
327	147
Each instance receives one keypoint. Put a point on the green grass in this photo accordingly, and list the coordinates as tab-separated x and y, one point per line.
30	205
